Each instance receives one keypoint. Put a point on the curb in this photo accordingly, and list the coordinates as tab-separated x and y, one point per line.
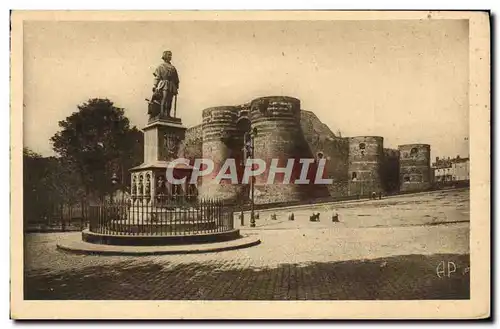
81	247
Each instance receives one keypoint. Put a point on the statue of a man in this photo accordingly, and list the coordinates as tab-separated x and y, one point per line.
166	84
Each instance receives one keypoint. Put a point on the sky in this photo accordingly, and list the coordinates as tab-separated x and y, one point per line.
405	80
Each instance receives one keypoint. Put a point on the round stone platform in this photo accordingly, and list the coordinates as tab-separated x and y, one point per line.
120	239
162	228
82	247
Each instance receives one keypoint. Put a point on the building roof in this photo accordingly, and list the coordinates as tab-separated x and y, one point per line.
447	163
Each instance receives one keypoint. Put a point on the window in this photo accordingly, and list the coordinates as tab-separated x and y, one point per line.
414	151
354	175
406	178
362	146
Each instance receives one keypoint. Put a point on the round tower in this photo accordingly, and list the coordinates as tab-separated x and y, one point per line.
220	142
366	154
279	136
414	167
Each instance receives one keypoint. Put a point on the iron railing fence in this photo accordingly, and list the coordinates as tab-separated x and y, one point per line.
161	216
57	218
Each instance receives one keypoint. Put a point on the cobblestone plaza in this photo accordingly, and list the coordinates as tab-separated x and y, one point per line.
395	248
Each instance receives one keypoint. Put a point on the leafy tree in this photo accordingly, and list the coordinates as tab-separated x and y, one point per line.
132	154
33	171
61	183
48	183
98	141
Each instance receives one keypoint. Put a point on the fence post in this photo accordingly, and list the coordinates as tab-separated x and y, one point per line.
82	217
70	216
63	224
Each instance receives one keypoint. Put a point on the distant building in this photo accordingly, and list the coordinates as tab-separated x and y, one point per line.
442	170
460	169
447	169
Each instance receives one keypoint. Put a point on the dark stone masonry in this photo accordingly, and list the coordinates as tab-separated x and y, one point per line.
357	165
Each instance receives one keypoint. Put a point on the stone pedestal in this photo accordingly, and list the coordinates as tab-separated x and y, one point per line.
162	138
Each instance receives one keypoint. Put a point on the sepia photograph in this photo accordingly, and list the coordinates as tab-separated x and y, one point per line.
250	165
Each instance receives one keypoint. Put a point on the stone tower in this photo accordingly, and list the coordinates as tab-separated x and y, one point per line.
366	155
221	141
415	167
277	119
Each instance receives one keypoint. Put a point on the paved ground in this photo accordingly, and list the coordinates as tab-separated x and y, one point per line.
395	248
419	209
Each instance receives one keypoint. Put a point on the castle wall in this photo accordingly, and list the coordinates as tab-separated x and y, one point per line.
357	165
312	126
192	146
336	152
415	167
366	155
322	141
390	170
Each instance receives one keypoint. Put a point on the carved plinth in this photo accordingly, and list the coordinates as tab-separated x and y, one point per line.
162	139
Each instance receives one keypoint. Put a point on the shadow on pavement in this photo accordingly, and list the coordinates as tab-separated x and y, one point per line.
439	276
